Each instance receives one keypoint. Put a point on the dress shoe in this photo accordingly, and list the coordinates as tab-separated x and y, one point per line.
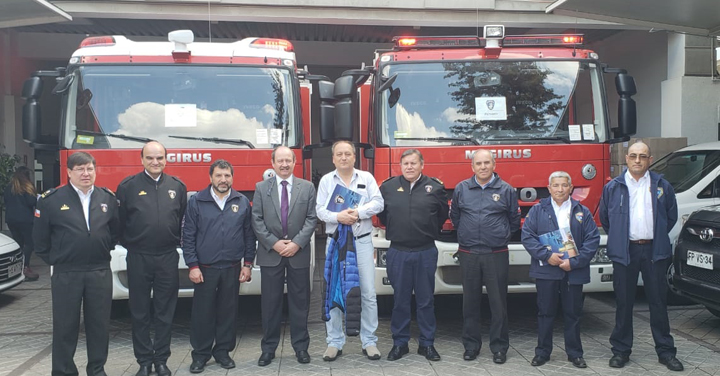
672	363
429	353
30	275
265	359
197	366
538	360
471	354
578	362
162	369
225	362
302	356
372	352
144	370
397	352
499	357
331	353
618	361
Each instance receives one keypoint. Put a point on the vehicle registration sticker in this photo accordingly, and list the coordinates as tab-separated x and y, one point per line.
700	260
15	269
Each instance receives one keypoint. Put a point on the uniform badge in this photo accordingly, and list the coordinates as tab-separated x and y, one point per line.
235	208
64	207
401	189
172	194
496	197
579	217
37	213
103	207
428	188
660	192
142	193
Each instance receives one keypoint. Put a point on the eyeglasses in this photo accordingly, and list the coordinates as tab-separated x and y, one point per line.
642	157
80	170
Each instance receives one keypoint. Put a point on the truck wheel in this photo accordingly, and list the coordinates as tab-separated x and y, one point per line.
714	311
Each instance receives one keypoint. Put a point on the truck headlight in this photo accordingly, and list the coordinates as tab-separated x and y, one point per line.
601	257
381	257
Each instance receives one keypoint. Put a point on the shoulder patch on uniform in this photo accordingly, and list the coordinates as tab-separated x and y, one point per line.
437	180
48	192
108	191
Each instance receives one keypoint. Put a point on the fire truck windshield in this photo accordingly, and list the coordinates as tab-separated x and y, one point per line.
492	102
118	106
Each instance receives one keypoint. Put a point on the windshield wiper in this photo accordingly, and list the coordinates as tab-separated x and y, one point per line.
121	136
446	139
218	140
563	139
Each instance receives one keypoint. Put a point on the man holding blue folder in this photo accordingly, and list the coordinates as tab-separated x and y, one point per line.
366	202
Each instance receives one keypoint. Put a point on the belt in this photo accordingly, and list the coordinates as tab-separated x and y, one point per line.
641	241
362	236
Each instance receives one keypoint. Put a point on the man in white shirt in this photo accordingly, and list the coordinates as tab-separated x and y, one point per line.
360	219
637	210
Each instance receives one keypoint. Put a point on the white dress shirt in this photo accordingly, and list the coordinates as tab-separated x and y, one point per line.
362	182
562	212
85	201
219	201
280	188
641	215
157	179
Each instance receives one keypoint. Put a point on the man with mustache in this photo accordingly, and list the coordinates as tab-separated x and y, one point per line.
219	248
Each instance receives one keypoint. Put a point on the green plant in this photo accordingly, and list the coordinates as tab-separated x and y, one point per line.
7	167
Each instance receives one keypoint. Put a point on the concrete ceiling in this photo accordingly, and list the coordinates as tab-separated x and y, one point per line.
698	17
14	13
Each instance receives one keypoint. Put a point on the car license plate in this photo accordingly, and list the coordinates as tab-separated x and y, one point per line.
700	260
15	269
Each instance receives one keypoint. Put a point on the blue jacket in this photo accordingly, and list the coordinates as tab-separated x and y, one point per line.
540	220
615	217
342	279
484	218
214	237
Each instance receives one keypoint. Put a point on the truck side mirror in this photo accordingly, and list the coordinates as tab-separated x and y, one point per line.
327	111
31	118
627	111
345	108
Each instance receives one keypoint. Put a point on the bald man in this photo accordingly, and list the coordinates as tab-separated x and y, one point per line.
637	210
152	205
485	213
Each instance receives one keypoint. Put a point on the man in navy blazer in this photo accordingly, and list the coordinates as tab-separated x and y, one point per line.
560	276
284	249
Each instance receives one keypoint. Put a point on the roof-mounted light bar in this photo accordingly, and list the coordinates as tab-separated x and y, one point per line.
544	40
407	43
273	44
98	41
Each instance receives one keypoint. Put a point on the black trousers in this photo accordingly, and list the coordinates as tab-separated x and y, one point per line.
549	293
153	284
413	271
625	284
22	234
91	290
490	270
214	313
298	292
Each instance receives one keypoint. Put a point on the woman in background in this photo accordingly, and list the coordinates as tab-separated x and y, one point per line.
20	200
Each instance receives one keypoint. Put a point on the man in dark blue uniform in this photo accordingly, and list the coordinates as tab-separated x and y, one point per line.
415	209
152	205
75	228
560	277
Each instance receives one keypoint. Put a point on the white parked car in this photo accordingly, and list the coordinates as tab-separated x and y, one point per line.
11	263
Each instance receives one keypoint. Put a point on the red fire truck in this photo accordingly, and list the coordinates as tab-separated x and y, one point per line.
537	102
203	101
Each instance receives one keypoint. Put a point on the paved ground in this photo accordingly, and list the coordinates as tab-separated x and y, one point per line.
26	326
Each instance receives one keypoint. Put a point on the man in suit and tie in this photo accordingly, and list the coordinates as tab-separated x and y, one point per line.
284	221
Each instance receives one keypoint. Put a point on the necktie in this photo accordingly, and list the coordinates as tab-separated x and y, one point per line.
284	207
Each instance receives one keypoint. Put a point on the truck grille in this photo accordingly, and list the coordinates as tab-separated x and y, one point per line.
9	259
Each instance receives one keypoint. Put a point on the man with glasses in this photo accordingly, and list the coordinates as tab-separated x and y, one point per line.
637	210
75	228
